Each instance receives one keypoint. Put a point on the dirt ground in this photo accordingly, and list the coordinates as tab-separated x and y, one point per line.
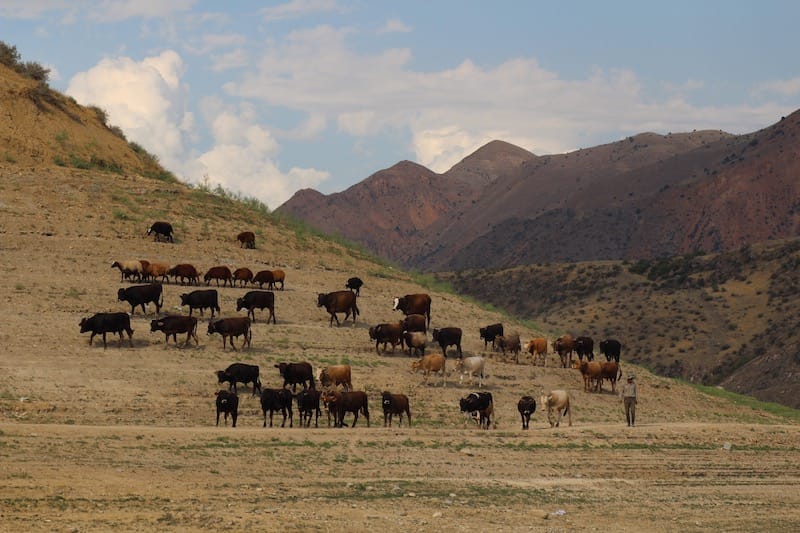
124	438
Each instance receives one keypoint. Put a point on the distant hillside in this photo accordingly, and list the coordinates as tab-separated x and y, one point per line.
645	196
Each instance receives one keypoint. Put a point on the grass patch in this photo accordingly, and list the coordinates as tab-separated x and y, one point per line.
772	408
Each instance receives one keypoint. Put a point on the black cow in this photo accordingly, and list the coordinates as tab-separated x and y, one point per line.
142	295
395	404
240	373
257	300
414	322
489	333
339	302
526	407
308	406
584	346
227	402
414	304
172	325
108	323
480	403
611	348
387	333
448	337
161	229
247	239
231	327
200	299
354	284
294	373
277	400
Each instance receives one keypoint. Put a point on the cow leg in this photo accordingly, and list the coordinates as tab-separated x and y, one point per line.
355	418
104	340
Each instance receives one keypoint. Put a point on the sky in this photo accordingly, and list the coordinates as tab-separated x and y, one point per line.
266	98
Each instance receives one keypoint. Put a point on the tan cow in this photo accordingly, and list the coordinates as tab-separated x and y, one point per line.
431	363
558	401
537	347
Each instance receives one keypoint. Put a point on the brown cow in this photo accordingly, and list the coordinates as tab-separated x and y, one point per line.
270	277
591	373
537	347
184	271
387	333
340	403
333	375
431	363
339	302
414	304
155	271
219	273
395	404
611	371
414	322
563	346
247	239
231	327
416	341
509	342
245	275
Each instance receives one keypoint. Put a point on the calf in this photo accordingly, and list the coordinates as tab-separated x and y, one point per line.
611	348
161	229
511	343
108	323
395	404
354	284
431	363
308	406
231	327
247	239
333	375
277	400
340	403
416	341
557	404
219	273
257	300
294	373
240	373
142	295
526	407
245	275
471	366
448	337
201	299
227	403
387	333
489	333
172	325
480	403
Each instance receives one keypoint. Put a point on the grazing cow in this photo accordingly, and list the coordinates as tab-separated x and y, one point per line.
161	229
387	333
227	403
416	341
339	302
395	404
611	348
155	271
490	333
142	295
340	403
611	371
245	275
333	375
308	406
129	269
471	366
354	284
431	363
526	407
415	304
591	373
557	404
201	299
481	403
232	327
584	346
270	277
108	323
278	276
240	373
257	300
172	325
511	343
277	400
294	373
247	239
184	271
414	323
219	273
448	337
563	346
537	347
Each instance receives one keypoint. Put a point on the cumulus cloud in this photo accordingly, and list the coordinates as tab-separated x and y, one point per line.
789	87
395	26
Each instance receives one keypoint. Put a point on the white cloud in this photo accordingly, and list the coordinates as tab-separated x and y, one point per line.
117	10
395	26
298	9
789	87
234	59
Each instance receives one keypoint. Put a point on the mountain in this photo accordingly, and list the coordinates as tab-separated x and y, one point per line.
645	196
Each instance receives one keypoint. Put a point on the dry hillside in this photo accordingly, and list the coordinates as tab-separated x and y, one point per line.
123	438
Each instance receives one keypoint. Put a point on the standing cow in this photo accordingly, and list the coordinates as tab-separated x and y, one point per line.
339	302
411	304
395	404
448	337
161	229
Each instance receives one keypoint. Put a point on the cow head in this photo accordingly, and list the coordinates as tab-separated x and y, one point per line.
416	365
121	294
321	299
183	300
282	368
373	332
212	325
85	325
221	376
324	377
155	325
396	304
240	304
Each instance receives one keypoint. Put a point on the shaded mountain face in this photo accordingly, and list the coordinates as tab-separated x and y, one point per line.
645	196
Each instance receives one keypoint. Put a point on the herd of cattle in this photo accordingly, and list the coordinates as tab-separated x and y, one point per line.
409	332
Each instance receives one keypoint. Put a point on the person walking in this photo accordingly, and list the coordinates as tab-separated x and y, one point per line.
629	395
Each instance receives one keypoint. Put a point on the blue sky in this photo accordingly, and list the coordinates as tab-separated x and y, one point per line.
265	98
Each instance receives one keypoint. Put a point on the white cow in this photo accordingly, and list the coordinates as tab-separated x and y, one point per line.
471	366
557	400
